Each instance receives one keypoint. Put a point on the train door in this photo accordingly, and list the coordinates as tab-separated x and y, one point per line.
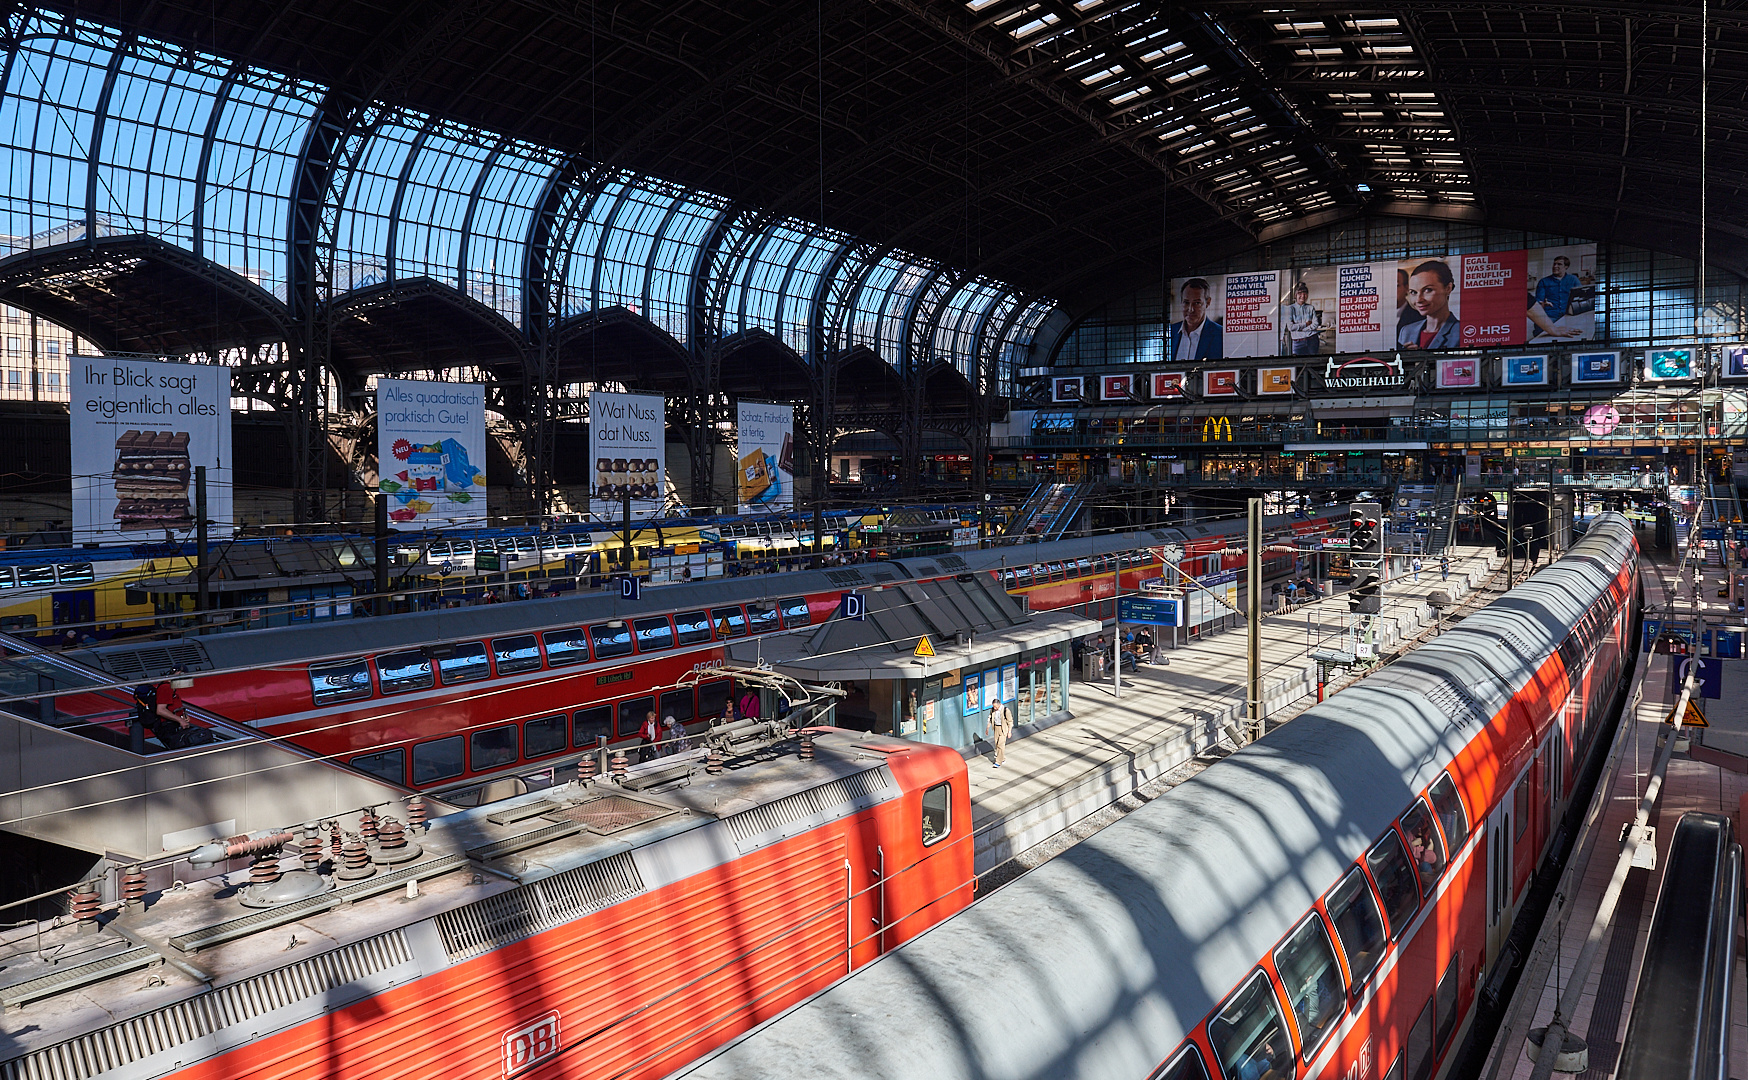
75	606
1500	830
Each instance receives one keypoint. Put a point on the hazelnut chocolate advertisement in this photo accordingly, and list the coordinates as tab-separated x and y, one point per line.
431	452
627	433
140	430
765	474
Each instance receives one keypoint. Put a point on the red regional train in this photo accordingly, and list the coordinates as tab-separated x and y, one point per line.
436	699
1328	902
586	930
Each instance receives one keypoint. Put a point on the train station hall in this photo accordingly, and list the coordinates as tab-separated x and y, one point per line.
937	539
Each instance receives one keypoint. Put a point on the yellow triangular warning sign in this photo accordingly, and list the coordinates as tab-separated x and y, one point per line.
923	648
1693	718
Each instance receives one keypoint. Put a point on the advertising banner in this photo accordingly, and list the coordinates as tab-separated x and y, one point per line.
1524	370
1662	365
1197	308
1369	299
627	442
1459	374
1308	306
1493	288
1596	368
766	473
1250	324
1275	380
1116	387
139	429
1065	389
1222	383
1735	362
1168	384
431	452
1563	284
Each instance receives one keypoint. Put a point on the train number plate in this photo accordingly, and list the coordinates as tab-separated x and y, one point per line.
530	1044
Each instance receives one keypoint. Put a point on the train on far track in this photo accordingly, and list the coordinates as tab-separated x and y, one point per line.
439	698
1327	902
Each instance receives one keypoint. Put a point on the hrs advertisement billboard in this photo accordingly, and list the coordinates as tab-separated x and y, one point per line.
1532	296
140	428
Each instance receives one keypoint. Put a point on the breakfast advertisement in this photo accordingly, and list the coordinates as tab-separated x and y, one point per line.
431	452
140	428
765	473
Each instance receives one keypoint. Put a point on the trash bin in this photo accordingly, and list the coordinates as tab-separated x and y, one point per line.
1092	666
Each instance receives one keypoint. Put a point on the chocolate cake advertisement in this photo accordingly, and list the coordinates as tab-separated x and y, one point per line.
141	429
766	467
431	452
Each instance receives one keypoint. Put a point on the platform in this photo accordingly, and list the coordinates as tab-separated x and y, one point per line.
1165	714
1711	776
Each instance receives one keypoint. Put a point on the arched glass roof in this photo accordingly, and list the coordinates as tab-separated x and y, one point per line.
115	134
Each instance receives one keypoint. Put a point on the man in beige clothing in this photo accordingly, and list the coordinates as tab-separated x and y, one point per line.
1001	725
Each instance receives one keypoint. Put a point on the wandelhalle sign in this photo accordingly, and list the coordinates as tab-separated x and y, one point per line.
1362	373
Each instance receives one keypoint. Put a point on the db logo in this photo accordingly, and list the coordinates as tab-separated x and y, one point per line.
530	1044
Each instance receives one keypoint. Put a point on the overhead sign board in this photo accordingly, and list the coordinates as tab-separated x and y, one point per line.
1149	610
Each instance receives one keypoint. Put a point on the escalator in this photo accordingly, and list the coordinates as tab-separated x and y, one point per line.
68	776
1049	512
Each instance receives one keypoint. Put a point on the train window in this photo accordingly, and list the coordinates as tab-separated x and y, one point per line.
1445	1002
399	672
655	634
591	725
1520	802
795	612
465	664
761	618
1186	1066
347	680
75	574
677	704
492	748
571	646
390	765
1424	845
632	712
713	698
730	622
1396	1068
1450	812
1419	1051
516	654
7	579
1389	865
937	813
610	640
694	627
1307	967
36	575
1354	911
439	759
1082	567
543	736
1248	1036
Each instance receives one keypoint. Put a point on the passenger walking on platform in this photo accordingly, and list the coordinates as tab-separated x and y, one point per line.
646	749
1001	725
749	705
1417	569
676	737
1444	567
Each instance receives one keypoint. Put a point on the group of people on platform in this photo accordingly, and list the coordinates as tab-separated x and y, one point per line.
667	737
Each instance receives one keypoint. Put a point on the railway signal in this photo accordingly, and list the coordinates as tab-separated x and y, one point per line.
1366	597
1365	535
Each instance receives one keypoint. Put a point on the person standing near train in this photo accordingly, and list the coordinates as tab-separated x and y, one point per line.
1001	725
648	734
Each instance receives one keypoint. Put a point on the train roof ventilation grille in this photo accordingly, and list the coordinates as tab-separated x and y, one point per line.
522	912
844	577
927	570
789	815
880	575
117	1046
611	813
155	661
1454	700
952	562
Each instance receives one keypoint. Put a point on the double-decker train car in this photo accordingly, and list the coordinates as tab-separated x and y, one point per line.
444	697
585	930
1327	902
